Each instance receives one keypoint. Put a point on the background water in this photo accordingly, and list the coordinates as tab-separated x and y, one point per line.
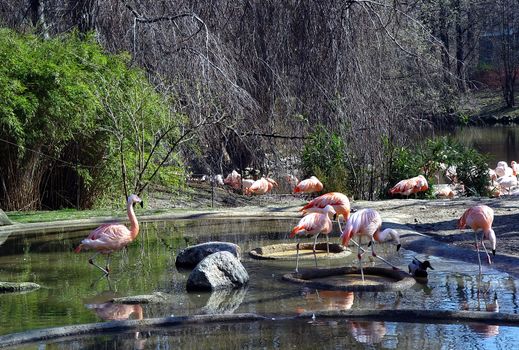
498	142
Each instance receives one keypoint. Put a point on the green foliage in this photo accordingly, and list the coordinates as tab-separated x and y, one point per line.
428	158
324	157
67	91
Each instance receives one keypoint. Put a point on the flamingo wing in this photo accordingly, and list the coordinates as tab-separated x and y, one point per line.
477	217
339	201
403	187
108	237
312	224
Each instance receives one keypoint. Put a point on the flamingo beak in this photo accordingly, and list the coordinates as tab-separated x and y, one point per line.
398	247
334	217
493	252
142	204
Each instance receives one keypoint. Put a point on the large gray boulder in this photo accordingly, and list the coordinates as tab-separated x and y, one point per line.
191	256
4	220
218	271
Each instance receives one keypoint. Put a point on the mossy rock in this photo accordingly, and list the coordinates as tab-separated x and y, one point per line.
12	287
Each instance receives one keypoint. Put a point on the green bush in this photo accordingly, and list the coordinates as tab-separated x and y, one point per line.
65	95
324	157
427	159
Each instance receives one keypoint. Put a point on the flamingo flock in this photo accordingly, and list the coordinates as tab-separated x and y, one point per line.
318	217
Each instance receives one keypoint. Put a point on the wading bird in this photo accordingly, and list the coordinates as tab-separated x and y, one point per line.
337	200
261	186
309	186
367	222
480	217
409	186
112	237
418	268
313	224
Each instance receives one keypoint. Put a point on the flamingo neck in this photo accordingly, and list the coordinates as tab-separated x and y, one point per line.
134	224
491	236
386	234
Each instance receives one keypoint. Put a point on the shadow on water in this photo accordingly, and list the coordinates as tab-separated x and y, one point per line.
148	265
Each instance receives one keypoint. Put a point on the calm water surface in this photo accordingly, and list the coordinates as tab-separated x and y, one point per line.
73	293
498	142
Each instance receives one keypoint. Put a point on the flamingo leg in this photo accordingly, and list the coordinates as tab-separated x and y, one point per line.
91	261
315	255
108	263
376	256
339	222
359	256
486	251
297	254
327	245
477	248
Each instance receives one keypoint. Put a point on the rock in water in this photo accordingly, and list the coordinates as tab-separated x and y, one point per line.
218	271
191	256
4	220
155	298
11	287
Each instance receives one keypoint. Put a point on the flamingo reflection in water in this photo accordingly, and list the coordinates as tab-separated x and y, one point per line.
119	312
367	332
485	330
326	300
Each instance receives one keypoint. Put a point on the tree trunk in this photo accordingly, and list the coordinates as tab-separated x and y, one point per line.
23	184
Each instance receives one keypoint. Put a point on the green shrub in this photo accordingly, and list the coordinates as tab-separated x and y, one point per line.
65	103
324	157
428	158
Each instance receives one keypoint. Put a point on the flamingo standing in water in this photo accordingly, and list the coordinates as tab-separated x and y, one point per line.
480	217
313	224
367	222
112	237
309	185
337	200
409	186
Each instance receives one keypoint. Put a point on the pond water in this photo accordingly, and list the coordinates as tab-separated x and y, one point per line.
498	142
73	293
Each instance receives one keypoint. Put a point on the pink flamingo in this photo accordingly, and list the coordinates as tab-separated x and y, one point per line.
261	186
515	168
480	217
367	222
111	311
313	224
337	200
309	185
112	237
233	180
408	186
